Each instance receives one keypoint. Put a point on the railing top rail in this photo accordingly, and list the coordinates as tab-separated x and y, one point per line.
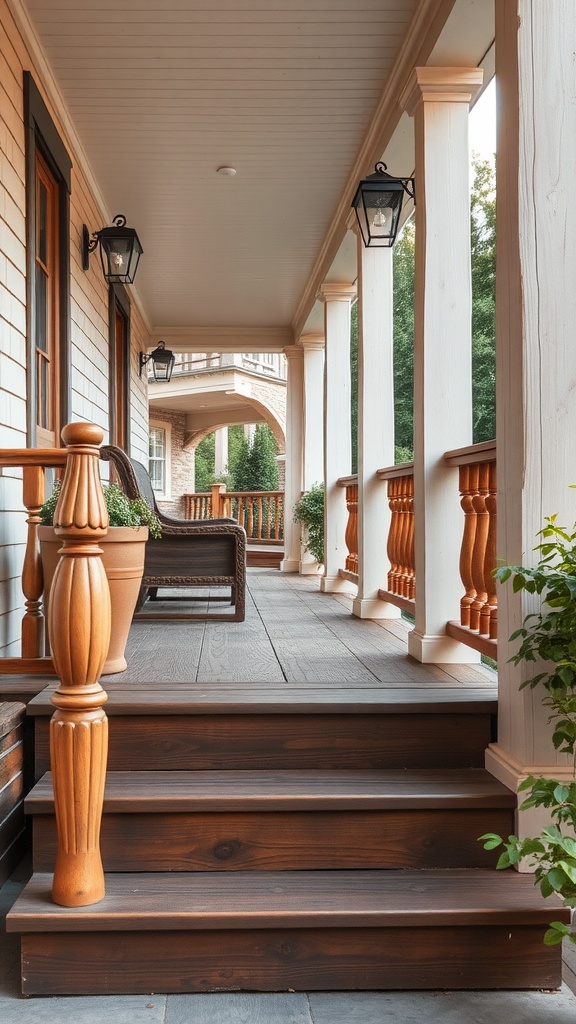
473	453
347	481
395	472
49	457
236	494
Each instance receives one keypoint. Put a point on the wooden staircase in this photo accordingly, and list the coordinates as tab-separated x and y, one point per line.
289	838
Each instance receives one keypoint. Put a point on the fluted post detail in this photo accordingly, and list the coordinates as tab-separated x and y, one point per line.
79	628
32	577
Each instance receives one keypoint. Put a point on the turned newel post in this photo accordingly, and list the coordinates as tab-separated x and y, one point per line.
79	628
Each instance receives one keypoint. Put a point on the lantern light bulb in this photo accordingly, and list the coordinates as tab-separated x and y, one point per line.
379	219
117	259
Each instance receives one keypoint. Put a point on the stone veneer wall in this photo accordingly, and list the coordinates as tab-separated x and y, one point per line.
182	463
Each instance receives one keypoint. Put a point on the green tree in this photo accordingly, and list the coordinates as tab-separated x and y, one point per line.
483	250
403	264
204	463
262	465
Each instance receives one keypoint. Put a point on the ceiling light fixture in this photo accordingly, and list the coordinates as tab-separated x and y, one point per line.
226	172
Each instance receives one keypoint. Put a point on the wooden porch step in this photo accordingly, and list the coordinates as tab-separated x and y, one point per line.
303	930
199	821
230	727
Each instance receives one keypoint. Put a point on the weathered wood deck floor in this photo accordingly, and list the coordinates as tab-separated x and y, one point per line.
293	634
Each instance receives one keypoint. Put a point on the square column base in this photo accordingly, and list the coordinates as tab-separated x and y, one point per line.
510	772
374	608
336	585
289	565
310	568
430	650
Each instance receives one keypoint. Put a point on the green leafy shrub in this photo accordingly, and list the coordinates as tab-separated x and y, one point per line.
121	511
309	511
549	636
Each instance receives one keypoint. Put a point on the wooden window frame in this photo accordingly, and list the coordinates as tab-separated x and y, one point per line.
118	299
42	138
166	427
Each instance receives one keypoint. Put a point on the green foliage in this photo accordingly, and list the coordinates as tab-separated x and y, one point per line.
309	511
121	511
483	254
548	637
250	467
204	463
403	263
262	466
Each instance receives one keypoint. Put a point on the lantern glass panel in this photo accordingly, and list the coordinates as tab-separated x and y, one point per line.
162	364
120	252
380	214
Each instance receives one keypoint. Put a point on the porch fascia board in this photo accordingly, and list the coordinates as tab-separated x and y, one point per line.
419	43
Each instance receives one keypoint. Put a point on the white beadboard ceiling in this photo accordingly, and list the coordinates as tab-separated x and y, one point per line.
163	92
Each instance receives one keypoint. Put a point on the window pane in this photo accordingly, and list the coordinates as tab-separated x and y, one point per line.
42	215
157	459
41	310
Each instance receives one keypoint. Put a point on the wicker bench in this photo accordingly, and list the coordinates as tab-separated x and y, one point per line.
191	553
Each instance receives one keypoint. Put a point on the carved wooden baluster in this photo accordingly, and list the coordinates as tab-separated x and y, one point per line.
250	527
32	577
468	486
410	541
489	613
276	524
393	530
403	586
270	509
351	538
259	510
480	541
79	627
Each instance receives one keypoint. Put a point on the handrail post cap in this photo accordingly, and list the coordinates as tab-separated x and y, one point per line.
82	434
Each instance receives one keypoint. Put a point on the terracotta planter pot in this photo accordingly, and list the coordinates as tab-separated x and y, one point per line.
123	560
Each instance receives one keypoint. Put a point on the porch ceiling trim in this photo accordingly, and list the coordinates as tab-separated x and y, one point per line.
420	41
224	339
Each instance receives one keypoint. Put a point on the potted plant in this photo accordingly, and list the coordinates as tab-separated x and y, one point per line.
309	510
549	636
123	559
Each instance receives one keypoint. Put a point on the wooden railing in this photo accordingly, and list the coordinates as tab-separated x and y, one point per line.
261	513
33	463
79	630
350	570
401	589
478	625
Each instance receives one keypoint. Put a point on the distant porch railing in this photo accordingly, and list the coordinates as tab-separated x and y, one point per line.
261	513
477	625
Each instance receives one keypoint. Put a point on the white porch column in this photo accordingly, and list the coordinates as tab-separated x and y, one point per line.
439	99
536	350
221	451
337	300
294	455
313	346
375	426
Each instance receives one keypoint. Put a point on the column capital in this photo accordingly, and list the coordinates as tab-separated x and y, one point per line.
311	342
293	352
440	85
337	292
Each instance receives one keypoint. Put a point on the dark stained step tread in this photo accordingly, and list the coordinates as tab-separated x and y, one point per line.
253	699
300	899
296	790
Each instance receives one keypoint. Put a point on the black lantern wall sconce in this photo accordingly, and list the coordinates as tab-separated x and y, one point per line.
120	250
162	360
377	204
